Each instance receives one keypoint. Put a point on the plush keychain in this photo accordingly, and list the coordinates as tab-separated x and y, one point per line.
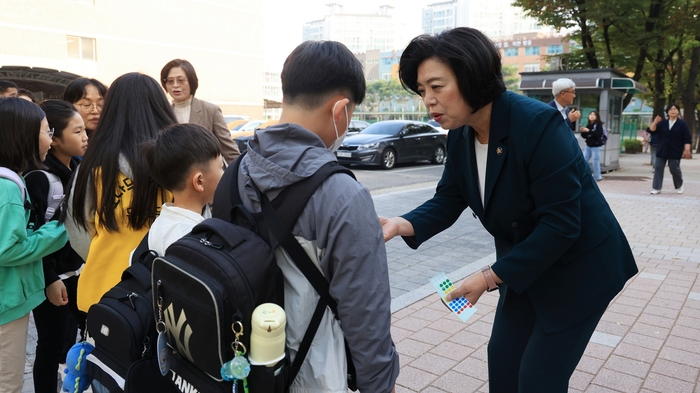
77	379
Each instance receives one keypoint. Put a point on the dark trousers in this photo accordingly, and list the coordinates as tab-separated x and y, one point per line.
674	166
56	332
525	359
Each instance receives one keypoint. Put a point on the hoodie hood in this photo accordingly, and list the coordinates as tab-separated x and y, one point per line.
275	157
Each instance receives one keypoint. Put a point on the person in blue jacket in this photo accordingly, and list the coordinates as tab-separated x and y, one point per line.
673	143
561	255
26	140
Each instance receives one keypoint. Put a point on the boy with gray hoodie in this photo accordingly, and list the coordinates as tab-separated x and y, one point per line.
322	82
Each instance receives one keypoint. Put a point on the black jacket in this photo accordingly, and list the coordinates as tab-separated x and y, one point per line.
672	141
594	137
64	260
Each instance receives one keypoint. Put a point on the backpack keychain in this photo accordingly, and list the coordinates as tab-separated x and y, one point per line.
162	343
237	368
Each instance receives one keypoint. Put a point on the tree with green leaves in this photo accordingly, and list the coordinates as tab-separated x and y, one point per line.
657	42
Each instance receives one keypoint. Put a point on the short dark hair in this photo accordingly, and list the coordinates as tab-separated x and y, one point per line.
24	92
5	85
135	110
75	91
315	70
671	105
58	113
20	124
177	150
471	55
186	66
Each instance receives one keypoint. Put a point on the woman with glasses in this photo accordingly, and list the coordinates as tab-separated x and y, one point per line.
180	81
87	95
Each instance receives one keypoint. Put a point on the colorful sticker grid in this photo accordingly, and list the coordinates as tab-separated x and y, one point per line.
460	306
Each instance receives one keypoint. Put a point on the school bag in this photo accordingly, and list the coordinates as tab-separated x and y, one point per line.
7	173
207	284
604	136
122	323
54	195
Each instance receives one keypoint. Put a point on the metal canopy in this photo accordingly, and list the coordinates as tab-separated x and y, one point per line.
603	78
49	81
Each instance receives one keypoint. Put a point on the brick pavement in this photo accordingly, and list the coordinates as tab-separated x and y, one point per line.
640	345
647	341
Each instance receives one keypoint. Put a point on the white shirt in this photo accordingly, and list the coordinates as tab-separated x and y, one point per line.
482	152
562	109
182	110
671	123
172	224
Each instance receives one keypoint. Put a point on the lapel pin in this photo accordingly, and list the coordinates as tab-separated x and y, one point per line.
499	150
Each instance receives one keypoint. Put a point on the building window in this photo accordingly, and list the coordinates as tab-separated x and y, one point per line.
80	47
532	67
532	50
555	49
510	52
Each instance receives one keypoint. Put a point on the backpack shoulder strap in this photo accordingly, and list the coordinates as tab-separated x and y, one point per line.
226	195
54	196
12	175
289	209
280	222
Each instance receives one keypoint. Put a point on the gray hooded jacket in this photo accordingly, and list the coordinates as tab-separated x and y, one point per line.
340	231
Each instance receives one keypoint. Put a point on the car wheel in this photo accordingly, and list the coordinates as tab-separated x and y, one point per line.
439	155
388	159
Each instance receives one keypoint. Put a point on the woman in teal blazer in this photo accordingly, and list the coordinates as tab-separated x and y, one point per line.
561	254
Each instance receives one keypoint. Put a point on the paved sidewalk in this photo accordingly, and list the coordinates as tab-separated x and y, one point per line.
647	341
640	345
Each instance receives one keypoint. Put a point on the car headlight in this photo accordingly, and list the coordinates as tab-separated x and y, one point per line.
368	146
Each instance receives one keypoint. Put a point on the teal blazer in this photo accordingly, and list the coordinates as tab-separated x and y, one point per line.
555	235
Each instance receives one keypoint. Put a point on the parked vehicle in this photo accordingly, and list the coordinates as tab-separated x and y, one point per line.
387	143
230	118
235	123
356	126
437	126
248	126
242	137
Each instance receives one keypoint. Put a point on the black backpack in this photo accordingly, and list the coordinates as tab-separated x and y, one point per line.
122	323
209	282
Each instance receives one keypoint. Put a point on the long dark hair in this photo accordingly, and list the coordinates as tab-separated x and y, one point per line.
135	110
597	124
20	124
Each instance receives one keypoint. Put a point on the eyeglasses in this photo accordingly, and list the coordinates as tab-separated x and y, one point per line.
571	91
88	107
49	132
171	81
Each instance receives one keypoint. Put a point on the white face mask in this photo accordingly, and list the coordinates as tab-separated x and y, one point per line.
338	138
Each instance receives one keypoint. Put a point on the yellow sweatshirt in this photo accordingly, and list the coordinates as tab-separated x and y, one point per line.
109	251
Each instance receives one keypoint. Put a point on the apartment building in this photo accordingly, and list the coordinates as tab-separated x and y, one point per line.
47	43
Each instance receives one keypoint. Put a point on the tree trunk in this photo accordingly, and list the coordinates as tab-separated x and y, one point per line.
586	38
659	85
687	92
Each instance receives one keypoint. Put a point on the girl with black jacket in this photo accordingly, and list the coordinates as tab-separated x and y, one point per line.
593	133
57	318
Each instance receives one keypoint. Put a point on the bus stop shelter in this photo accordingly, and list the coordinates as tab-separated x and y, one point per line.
600	90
